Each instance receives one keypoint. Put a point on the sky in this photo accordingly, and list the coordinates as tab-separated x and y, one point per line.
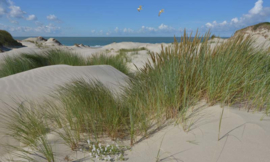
102	18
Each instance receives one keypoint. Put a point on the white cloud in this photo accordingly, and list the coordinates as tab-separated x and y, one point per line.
209	25
93	31
15	11
48	28
14	22
2	11
223	23
31	17
127	30
255	15
53	18
38	23
162	26
116	29
257	8
235	20
20	29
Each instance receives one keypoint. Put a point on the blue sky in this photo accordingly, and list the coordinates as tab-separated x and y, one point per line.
121	18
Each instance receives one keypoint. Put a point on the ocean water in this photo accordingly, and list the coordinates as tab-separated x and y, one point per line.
102	41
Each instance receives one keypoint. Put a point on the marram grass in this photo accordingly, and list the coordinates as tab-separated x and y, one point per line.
23	62
164	90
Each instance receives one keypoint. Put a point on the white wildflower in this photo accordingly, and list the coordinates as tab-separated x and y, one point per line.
97	156
89	142
108	157
99	145
94	149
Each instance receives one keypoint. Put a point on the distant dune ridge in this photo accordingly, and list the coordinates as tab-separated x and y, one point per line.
259	32
6	40
244	138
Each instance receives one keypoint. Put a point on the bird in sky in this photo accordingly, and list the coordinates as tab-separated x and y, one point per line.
160	12
139	9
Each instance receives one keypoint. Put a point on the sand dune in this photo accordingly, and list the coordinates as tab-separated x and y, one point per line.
244	138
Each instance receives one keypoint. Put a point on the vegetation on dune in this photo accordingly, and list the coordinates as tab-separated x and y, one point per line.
214	36
263	25
132	50
118	61
163	91
7	40
24	62
28	126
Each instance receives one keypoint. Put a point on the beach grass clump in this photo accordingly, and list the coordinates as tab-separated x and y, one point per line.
7	40
132	50
214	36
191	71
118	61
88	108
24	62
28	126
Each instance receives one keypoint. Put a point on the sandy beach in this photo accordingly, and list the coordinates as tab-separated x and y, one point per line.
244	136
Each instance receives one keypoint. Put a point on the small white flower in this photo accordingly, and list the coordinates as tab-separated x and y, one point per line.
90	154
94	149
99	145
108	145
97	156
105	149
98	151
89	142
108	157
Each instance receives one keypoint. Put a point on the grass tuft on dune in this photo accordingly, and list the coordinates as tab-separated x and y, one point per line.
118	61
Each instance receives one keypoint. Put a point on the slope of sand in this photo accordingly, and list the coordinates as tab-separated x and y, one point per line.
243	138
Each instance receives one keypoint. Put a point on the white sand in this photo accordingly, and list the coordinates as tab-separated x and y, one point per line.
244	138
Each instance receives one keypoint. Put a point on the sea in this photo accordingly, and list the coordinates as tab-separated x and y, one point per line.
102	41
